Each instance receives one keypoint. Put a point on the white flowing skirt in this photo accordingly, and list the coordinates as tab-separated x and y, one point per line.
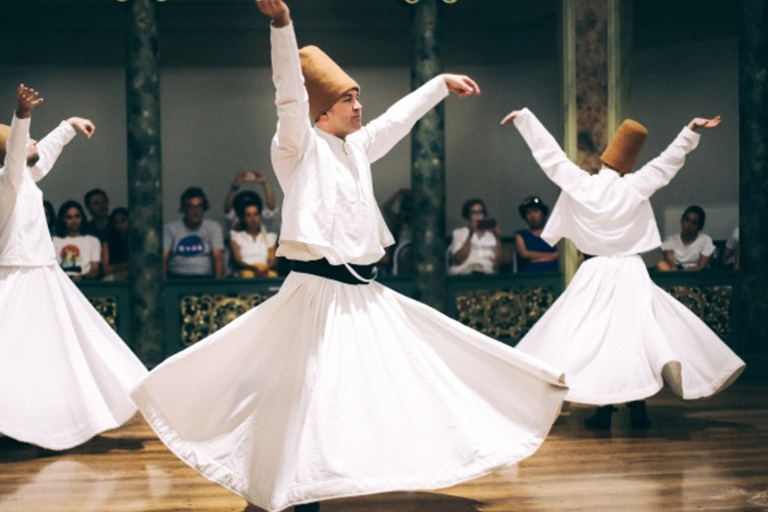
65	375
329	390
619	337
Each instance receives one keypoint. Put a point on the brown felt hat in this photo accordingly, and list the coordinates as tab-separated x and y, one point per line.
622	152
325	81
5	132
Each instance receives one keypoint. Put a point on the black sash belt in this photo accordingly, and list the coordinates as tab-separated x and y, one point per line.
338	273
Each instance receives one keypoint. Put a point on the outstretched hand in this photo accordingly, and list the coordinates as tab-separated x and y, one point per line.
28	99
461	85
84	126
276	10
700	122
510	118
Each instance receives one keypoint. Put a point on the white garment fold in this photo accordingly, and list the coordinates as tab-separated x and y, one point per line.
329	390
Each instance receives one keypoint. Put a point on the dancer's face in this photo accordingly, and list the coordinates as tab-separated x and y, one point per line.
345	117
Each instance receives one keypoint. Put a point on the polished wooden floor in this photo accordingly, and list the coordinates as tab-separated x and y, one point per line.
703	455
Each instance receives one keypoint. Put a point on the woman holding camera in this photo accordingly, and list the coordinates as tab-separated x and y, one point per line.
476	248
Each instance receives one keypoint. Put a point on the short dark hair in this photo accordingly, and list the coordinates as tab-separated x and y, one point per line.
117	211
698	210
193	192
61	226
468	204
243	200
93	192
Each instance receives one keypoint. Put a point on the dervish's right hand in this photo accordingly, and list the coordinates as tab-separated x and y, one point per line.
276	10
84	126
700	122
510	118
28	99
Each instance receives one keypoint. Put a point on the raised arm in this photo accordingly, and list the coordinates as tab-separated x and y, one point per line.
546	151
294	128
50	147
659	172
381	134
16	146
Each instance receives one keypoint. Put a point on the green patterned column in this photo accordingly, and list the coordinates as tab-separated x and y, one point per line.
144	181
753	174
428	159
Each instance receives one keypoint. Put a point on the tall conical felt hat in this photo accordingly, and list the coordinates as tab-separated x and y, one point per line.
325	81
622	152
5	132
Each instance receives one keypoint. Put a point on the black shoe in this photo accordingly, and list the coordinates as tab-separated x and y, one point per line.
307	507
601	420
638	415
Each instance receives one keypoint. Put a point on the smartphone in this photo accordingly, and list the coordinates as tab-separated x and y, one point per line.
250	176
486	224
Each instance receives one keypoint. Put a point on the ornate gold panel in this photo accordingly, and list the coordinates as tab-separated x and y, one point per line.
503	313
204	314
107	308
712	304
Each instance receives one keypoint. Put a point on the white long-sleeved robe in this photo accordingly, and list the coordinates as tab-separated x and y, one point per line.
65	375
328	389
616	333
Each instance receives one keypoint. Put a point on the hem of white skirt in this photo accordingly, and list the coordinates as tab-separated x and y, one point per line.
342	488
60	441
725	379
722	381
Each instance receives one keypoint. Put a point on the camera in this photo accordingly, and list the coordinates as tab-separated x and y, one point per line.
486	224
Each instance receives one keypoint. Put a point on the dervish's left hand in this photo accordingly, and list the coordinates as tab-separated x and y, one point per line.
84	126
700	122
510	118
461	85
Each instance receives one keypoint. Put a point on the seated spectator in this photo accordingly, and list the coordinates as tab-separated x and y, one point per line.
97	203
535	255
253	248
193	247
476	247
116	255
78	254
691	249
732	251
50	217
267	213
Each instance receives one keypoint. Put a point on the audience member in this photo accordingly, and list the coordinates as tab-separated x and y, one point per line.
116	255
398	212
267	213
477	246
193	246
97	203
78	254
253	248
50	216
691	249
535	255
732	250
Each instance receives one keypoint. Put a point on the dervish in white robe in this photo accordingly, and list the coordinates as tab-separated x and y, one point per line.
65	374
329	389
618	336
